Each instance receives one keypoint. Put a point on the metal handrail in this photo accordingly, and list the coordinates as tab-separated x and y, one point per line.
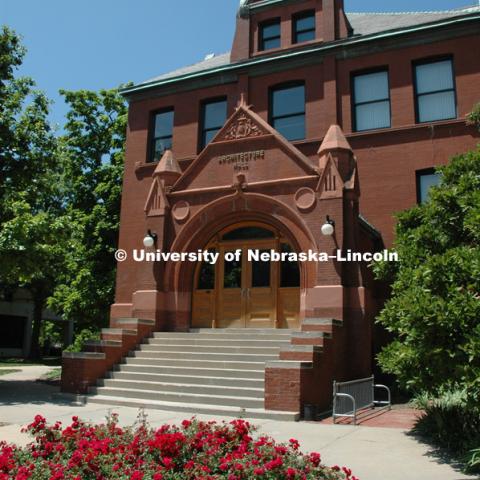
367	397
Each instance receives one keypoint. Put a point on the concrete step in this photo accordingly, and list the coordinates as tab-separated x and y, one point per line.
320	324
133	321
201	356
243	331
213	341
146	394
188	363
103	343
189	378
257	373
301	353
232	349
226	335
180	386
198	409
310	338
119	331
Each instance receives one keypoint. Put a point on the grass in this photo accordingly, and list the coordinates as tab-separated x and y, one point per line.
21	362
52	375
6	371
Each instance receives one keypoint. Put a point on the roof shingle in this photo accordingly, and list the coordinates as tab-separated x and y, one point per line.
362	23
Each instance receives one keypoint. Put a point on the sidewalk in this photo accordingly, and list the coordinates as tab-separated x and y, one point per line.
373	453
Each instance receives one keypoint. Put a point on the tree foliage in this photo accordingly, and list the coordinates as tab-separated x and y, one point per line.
434	311
32	228
59	195
93	157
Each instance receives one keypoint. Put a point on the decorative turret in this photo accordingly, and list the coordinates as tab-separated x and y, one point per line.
168	170
336	146
165	175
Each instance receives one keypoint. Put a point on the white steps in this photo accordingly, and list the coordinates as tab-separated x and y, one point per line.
218	372
192	408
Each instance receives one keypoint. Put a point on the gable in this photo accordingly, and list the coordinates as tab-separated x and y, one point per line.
249	145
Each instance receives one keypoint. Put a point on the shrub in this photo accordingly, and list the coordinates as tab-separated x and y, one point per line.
434	311
194	450
83	336
451	423
473	461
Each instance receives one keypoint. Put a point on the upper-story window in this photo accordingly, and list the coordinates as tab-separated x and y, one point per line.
371	101
162	134
304	27
287	111
214	115
426	179
435	91
269	35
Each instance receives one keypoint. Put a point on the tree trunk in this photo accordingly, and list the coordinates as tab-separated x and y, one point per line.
38	306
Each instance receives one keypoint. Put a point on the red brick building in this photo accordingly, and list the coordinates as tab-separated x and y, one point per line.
315	117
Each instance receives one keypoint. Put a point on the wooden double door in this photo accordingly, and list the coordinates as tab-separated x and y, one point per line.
242	292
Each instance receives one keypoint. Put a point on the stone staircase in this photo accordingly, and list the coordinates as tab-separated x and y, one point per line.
204	371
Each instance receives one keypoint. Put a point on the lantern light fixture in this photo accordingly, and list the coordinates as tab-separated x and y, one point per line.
328	228
150	239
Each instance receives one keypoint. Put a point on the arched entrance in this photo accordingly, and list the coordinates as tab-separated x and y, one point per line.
241	290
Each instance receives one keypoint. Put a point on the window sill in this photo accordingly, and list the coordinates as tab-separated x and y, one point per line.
414	126
386	131
288	48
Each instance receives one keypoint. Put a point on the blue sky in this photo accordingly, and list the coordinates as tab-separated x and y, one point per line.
93	44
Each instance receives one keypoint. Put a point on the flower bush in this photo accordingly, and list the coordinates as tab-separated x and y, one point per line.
194	450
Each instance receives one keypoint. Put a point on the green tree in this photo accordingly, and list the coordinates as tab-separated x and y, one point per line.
93	157
32	228
434	311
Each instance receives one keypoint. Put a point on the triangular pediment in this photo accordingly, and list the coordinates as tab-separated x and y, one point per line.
157	201
246	144
331	184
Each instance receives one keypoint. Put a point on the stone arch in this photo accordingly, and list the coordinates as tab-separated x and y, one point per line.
222	213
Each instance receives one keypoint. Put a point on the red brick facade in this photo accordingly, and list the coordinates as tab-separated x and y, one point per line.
190	195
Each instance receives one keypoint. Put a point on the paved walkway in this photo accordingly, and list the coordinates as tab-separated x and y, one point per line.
399	417
373	453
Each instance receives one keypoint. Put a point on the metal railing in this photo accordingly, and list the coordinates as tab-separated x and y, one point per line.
351	397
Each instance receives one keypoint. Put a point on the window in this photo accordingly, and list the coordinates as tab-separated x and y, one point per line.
289	271
435	91
304	27
371	101
426	179
248	233
287	111
214	115
206	277
270	36
162	134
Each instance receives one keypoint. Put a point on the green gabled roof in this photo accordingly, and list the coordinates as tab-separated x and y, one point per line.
366	27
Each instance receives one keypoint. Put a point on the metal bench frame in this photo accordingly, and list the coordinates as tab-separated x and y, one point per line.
363	388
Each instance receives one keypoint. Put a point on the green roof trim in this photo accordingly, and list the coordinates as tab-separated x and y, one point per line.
350	41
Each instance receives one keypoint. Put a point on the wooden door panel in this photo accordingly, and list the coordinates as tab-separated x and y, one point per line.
260	308
203	307
261	301
239	294
231	309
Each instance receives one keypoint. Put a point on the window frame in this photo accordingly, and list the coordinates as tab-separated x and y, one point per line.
421	173
286	86
152	138
354	104
427	61
202	129
295	32
261	38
